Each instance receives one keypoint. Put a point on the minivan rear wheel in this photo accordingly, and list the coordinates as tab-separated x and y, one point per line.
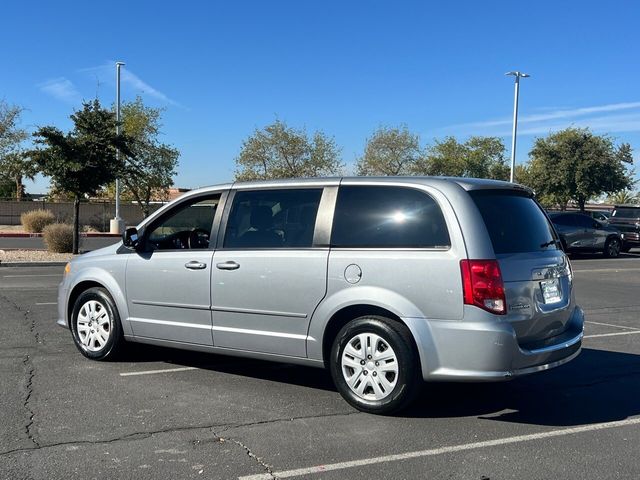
95	325
612	248
374	365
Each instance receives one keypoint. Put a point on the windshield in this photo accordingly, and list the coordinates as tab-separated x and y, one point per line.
515	222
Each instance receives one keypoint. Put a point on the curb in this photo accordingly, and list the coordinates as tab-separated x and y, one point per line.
39	235
32	264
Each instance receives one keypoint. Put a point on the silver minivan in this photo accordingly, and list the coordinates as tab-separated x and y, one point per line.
384	281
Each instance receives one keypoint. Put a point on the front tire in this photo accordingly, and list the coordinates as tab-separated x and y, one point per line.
375	366
95	325
612	248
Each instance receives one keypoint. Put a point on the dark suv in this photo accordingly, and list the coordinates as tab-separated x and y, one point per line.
581	233
626	218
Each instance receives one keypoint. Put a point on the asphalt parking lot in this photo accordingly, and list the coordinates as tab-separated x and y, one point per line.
163	413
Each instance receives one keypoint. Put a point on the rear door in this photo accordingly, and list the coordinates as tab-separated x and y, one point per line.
570	231
269	275
589	235
536	272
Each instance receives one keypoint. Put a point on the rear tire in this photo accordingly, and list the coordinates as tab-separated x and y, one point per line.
95	325
612	248
374	365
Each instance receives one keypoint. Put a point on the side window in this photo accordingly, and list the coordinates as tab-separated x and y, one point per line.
188	227
273	218
387	217
565	220
584	222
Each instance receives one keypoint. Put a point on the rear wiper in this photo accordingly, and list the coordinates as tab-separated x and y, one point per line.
549	243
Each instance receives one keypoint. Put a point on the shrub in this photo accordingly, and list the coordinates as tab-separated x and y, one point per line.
34	221
58	237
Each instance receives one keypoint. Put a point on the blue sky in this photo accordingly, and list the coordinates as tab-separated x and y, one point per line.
223	69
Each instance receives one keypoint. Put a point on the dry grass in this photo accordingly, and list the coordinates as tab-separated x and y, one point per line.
35	221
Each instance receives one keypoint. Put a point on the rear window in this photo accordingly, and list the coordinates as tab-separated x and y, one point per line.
515	222
626	212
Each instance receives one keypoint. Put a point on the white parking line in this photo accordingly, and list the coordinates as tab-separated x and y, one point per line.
37	275
46	303
439	451
611	325
151	372
611	334
607	270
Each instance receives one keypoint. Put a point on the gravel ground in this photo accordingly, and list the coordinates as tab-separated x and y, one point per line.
12	228
9	256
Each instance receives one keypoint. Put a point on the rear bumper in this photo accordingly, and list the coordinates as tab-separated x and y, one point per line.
489	351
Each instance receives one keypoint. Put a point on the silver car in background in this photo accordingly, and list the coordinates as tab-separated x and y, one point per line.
384	281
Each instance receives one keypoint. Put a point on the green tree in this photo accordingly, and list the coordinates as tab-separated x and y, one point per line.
151	170
7	188
279	151
390	151
624	197
13	164
575	164
17	166
83	160
478	157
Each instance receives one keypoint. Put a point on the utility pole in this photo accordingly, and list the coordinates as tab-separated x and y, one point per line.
117	224
518	76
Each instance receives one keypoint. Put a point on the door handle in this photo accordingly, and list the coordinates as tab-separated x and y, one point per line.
195	265
228	265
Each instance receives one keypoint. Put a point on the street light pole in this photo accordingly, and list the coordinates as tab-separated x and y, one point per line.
518	75
117	222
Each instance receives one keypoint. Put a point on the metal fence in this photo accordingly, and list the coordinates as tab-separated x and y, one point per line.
94	214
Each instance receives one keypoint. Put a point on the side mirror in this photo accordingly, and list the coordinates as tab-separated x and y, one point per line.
130	238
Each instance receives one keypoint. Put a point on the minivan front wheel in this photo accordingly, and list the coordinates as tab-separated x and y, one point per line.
95	325
374	365
612	248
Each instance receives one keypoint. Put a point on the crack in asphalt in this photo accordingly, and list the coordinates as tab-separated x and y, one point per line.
144	435
259	460
27	317
29	387
28	364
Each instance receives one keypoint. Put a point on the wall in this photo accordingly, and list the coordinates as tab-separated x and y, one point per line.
96	215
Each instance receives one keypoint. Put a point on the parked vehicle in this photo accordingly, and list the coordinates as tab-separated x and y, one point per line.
384	281
626	218
580	233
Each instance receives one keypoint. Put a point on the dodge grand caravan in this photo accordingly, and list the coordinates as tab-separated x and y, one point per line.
384	281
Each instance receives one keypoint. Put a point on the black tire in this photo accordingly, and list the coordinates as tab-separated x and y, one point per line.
612	248
113	345
408	379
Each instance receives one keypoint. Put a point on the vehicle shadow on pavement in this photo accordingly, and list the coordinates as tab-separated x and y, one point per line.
259	369
598	386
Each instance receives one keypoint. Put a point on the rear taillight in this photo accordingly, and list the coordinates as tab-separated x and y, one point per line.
482	285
